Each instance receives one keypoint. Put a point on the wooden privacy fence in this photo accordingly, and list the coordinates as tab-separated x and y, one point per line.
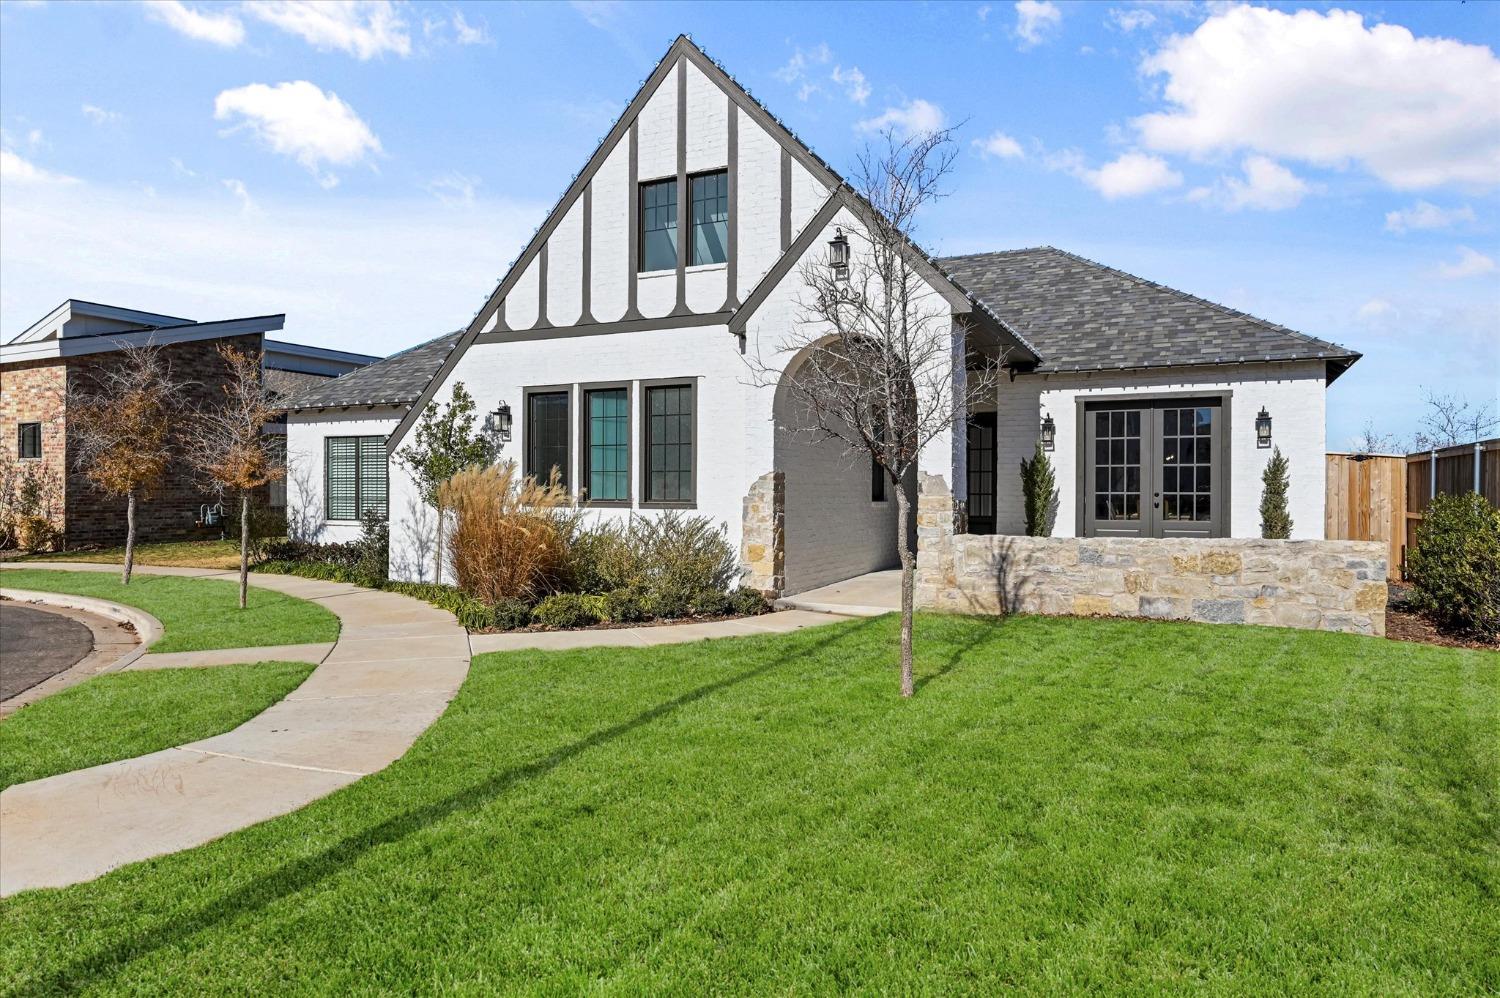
1381	497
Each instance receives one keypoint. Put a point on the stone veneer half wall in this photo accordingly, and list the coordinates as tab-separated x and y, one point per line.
1316	585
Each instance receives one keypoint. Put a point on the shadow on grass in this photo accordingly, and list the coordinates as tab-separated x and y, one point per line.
987	629
305	872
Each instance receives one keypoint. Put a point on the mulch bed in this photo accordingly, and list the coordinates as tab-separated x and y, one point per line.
1402	623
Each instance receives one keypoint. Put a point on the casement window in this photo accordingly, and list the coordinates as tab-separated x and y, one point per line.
29	441
356	477
658	235
669	468
547	435
606	444
707	222
710	218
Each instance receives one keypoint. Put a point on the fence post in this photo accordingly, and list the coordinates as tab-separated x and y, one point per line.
1432	474
1478	457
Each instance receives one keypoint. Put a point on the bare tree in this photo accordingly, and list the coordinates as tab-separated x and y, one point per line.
120	422
1452	420
227	444
882	369
1372	441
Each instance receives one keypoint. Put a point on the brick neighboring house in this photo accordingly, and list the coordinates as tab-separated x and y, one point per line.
78	338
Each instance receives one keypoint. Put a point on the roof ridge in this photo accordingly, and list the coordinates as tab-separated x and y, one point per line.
1198	300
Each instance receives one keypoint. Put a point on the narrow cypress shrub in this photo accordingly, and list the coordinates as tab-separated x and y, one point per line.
1275	518
1039	490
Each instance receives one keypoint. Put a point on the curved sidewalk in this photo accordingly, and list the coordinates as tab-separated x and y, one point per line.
396	665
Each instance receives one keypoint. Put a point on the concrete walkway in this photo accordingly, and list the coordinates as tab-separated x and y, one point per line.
869	595
396	665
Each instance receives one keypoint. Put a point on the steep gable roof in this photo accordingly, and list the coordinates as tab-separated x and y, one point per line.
397	380
1085	316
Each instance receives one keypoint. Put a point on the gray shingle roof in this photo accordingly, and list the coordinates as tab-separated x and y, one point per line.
1084	316
398	379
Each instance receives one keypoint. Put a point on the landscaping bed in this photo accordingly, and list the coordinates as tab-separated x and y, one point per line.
121	715
1066	806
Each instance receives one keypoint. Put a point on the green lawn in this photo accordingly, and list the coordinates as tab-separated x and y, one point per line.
121	715
1066	806
195	614
181	554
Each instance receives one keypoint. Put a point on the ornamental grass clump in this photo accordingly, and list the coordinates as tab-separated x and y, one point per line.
510	534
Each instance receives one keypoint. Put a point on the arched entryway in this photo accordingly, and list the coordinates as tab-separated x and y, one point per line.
839	520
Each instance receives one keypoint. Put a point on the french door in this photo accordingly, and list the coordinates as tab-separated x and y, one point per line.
981	465
1155	469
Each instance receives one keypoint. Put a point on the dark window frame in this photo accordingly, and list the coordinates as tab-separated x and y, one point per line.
692	218
359	506
640	225
585	475
878	475
691	384
21	429
1223	484
527	467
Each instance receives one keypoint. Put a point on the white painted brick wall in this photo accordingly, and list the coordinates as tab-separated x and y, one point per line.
657	132
759	218
707	123
565	268
520	304
305	433
1294	394
610	262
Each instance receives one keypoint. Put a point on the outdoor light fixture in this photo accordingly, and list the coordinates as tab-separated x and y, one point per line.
1263	428
838	255
1049	432
497	423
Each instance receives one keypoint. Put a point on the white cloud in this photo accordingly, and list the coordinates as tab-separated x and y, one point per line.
598	13
796	67
1470	263
1130	20
983	13
467	34
856	87
100	116
915	117
362	28
1426	215
242	195
341	268
223	29
1000	146
1374	310
454	188
181	169
16	170
1035	19
1325	89
1267	186
301	121
1129	175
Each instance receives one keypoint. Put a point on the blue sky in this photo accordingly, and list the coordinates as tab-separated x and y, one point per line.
371	169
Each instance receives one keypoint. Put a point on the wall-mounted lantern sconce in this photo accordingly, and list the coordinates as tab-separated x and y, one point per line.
838	255
1263	428
1049	432
497	424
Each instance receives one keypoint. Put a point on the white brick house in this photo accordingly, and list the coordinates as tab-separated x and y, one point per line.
619	352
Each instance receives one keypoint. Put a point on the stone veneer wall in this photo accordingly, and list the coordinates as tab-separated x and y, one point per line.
763	534
1317	585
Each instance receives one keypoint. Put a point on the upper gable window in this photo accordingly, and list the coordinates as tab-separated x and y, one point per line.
658	235
710	218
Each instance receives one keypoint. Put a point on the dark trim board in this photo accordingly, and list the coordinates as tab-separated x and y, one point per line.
783	266
645	464
583	444
692	321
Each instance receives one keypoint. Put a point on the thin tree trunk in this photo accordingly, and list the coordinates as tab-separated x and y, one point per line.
129	538
908	573
244	546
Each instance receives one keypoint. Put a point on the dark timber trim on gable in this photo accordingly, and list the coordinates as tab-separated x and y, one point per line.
690	321
684	196
682	48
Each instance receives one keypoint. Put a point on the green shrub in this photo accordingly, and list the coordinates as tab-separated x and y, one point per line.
1455	568
748	602
669	601
670	556
511	615
713	603
566	610
602	559
624	606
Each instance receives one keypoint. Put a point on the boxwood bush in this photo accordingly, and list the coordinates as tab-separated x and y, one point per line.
566	610
1455	568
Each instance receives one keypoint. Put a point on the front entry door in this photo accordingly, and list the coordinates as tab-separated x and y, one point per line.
1155	469
981	465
